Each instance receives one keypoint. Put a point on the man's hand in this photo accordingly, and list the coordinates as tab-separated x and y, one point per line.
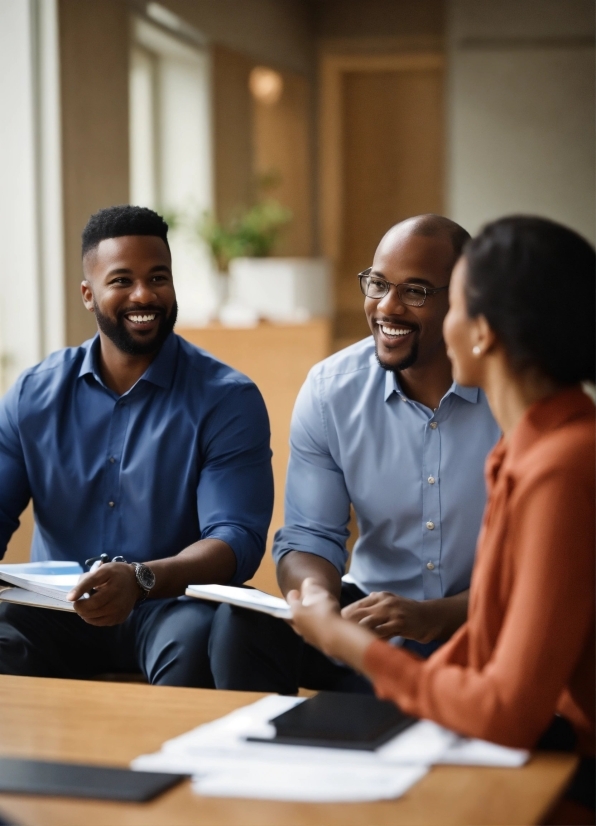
113	593
390	615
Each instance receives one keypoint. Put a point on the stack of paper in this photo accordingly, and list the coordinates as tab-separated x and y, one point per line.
39	584
224	763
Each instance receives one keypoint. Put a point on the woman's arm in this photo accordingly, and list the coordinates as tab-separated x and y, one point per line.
316	616
549	617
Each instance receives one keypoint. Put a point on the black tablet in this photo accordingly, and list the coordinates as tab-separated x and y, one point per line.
78	780
341	721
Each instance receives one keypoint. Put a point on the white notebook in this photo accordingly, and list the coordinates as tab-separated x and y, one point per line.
34	600
52	579
242	597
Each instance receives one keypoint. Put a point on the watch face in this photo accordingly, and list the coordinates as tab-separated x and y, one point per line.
145	577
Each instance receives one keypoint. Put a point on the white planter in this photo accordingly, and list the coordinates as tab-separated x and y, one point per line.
282	289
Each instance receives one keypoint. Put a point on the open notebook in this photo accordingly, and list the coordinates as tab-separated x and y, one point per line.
243	598
39	584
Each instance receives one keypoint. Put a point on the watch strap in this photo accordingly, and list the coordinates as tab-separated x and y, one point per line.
138	566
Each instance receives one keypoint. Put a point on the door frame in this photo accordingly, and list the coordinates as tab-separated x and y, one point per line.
332	67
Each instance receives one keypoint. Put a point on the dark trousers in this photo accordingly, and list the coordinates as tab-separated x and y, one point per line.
250	651
165	639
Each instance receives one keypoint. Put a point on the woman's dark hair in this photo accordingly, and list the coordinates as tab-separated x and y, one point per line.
534	282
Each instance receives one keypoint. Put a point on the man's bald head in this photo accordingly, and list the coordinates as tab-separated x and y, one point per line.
429	226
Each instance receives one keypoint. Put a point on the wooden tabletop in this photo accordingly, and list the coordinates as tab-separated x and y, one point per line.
111	723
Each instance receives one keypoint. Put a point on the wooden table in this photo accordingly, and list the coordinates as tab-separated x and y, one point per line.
110	723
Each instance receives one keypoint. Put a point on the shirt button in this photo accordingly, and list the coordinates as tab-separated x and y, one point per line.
112	460
111	504
431	480
430	566
429	525
433	425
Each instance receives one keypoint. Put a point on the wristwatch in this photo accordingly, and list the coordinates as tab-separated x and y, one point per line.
145	578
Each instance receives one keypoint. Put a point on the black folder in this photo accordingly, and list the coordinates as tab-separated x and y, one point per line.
78	780
340	721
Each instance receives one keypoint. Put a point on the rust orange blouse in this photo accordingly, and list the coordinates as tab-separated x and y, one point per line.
527	649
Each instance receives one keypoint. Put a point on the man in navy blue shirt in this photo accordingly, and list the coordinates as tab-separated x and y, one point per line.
135	444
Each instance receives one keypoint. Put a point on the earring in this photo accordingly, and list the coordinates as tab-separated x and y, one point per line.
476	350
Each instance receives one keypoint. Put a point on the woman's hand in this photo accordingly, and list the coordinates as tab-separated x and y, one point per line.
314	610
316	617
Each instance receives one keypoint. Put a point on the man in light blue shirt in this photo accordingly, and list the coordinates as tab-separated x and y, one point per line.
135	444
382	427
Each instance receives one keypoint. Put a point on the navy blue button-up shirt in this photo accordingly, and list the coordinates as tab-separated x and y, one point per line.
181	456
414	476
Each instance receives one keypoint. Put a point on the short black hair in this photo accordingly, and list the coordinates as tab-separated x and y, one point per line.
534	281
116	221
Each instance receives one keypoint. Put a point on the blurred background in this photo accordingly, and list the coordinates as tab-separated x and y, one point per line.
281	139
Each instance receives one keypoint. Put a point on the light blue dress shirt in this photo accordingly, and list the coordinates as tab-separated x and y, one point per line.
414	476
182	456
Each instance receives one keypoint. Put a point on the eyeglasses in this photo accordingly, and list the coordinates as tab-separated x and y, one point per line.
414	295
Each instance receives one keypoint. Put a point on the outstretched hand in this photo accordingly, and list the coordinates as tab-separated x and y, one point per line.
113	592
316	616
313	609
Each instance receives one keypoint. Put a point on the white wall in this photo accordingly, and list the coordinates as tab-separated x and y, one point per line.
31	288
521	110
170	154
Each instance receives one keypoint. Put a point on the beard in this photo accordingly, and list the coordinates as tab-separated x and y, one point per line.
118	334
406	362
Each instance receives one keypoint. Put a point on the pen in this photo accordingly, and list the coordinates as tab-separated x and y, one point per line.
94	562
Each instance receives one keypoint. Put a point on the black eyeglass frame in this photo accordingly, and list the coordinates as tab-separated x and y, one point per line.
400	289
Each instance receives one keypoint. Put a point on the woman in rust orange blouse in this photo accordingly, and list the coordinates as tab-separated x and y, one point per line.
521	326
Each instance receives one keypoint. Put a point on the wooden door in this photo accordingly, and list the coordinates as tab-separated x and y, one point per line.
383	135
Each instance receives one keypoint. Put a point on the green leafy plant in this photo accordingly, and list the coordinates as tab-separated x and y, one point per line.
251	233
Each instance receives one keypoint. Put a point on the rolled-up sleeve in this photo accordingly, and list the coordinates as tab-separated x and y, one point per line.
235	489
317	504
14	483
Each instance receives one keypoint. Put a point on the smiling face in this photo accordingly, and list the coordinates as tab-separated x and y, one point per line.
406	336
128	285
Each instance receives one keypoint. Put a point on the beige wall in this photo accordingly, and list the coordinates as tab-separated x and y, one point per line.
232	130
94	101
521	110
282	144
378	18
276	32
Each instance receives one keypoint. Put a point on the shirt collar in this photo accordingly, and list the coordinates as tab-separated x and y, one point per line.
542	417
547	415
160	371
392	385
90	360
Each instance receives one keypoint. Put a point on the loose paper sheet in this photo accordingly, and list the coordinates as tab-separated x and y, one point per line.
224	763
